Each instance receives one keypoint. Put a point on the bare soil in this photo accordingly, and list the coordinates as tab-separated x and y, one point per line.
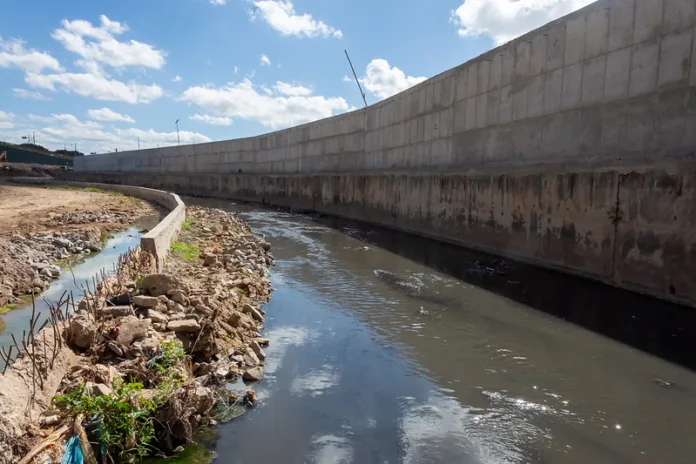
25	210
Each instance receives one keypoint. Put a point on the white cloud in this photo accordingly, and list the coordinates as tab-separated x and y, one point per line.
281	16
58	129
14	55
97	44
106	114
6	125
347	79
218	2
503	20
29	95
6	116
243	100
384	81
292	90
212	120
236	69
97	87
265	61
177	78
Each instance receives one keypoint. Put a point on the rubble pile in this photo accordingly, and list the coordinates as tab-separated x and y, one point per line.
87	217
175	337
27	263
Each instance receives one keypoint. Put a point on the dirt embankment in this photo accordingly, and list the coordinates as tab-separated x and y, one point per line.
154	351
41	226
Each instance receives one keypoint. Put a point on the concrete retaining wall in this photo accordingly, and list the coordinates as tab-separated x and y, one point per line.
157	241
571	147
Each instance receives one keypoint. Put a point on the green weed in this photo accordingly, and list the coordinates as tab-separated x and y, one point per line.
186	226
186	251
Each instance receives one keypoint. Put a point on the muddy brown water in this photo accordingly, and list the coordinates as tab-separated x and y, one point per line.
387	348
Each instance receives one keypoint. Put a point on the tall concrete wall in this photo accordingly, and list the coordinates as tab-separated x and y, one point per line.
570	147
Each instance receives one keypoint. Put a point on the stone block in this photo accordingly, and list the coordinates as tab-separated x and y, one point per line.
535	96
507	66
574	41
519	104
552	91
483	76
617	74
460	84
678	14
522	58
470	121
675	58
493	108
555	47
597	35
572	85
505	105
648	20
644	68
481	110
671	119
537	58
593	80
496	71
472	80
460	116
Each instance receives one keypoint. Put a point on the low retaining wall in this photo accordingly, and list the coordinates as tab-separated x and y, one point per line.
157	241
633	228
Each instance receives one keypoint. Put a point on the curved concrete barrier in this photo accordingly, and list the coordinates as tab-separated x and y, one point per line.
158	241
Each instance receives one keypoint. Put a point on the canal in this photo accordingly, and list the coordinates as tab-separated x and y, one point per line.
389	348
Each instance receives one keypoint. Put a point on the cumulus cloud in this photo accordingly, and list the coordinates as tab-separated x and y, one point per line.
177	78
292	90
97	87
383	80
265	61
503	20
98	44
281	108
212	120
13	54
218	2
29	95
106	114
58	129
281	16
6	116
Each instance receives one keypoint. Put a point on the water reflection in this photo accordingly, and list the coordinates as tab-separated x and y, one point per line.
377	357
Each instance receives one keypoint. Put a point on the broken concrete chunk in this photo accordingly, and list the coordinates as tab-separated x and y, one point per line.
156	316
143	301
82	331
253	312
97	389
257	350
160	284
184	325
132	328
253	374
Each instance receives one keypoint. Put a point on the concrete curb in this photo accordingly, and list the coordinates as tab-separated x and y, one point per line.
158	241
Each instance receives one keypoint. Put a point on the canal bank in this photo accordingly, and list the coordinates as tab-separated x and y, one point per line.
381	352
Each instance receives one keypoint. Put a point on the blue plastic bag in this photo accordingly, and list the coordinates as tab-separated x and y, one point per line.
73	451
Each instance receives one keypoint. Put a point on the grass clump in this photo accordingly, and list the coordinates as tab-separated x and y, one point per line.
125	418
186	251
186	226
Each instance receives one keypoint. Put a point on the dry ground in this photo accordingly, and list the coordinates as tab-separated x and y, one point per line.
25	209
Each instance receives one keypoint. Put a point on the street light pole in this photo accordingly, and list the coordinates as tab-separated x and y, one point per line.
178	140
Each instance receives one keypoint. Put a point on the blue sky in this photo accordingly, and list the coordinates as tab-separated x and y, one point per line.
104	74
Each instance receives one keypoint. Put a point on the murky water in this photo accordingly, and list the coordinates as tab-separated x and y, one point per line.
16	321
358	372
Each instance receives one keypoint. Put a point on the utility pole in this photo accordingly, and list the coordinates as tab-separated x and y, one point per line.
75	148
138	142
178	140
356	78
34	138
